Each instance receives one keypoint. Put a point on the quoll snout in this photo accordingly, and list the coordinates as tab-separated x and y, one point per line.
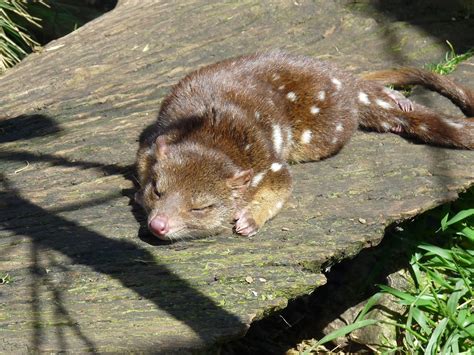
159	226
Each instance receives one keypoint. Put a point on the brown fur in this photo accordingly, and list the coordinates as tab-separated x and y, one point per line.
217	155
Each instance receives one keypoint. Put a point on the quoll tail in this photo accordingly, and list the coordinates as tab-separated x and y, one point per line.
430	127
419	121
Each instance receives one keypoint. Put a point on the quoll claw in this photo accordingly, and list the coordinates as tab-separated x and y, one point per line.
405	105
402	102
397	129
245	224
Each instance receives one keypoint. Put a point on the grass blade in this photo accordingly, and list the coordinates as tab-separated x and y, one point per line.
455	296
468	233
444	226
420	317
442	253
460	216
343	331
372	301
432	347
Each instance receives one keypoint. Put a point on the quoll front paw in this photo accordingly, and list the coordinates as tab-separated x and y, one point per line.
245	224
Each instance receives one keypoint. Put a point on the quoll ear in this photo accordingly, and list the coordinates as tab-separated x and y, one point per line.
241	179
139	197
161	146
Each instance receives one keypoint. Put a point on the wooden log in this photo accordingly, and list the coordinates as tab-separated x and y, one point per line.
84	275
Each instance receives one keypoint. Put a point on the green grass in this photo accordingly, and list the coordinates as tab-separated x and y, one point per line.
447	66
451	61
26	25
439	307
15	41
439	315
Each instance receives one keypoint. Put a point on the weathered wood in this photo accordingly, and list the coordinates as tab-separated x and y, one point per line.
71	115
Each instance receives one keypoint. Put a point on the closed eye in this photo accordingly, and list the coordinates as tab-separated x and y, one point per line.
156	192
203	208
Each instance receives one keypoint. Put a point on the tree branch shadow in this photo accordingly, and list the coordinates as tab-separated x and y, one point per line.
349	283
445	20
117	259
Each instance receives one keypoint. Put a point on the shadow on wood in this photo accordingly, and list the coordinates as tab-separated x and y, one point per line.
133	267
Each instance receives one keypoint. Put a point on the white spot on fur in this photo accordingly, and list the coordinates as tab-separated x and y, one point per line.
291	96
386	126
339	127
247	147
334	140
306	136
257	178
314	110
257	115
275	77
289	136
364	98
275	167
277	138
423	127
281	87
321	95
383	104
453	124
456	125
279	204
337	83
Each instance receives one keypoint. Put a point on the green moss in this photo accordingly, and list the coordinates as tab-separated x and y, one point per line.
5	279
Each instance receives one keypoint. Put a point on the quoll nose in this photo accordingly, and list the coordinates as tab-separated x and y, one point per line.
159	225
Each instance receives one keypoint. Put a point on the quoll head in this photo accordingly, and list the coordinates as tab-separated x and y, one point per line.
191	191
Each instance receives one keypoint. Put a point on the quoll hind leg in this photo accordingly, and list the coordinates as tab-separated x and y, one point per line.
403	103
269	190
461	96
